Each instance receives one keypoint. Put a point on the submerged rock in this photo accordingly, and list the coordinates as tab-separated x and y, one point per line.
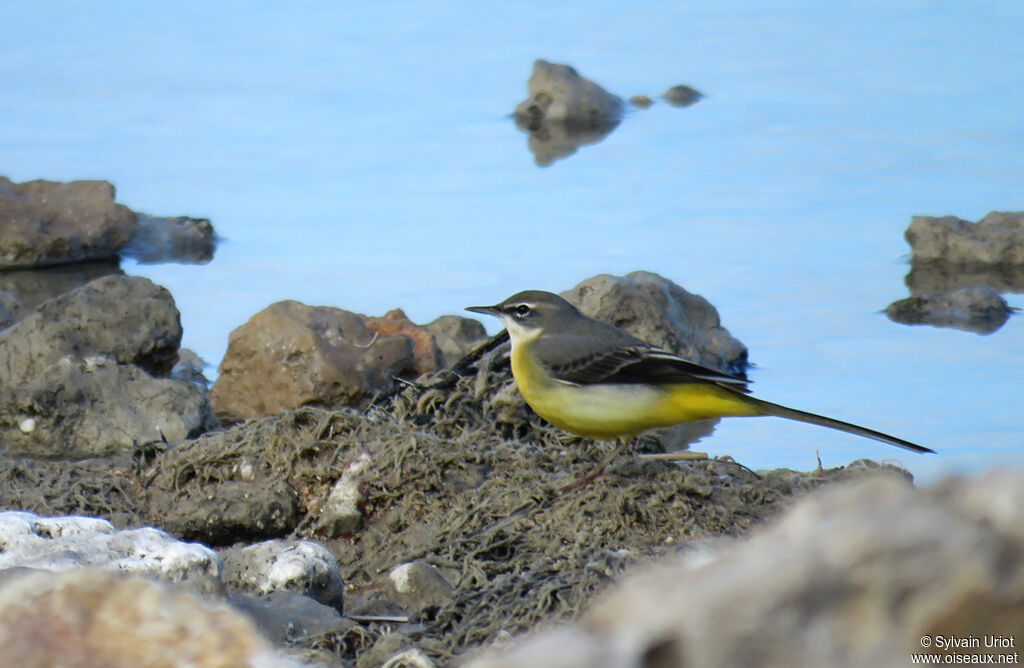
682	96
172	239
46	222
290	354
996	239
978	309
853	576
641	101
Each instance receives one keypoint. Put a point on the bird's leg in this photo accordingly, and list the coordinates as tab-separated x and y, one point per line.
594	474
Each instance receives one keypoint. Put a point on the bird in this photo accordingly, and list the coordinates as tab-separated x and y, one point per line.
597	381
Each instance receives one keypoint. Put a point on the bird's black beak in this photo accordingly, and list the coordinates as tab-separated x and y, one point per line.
486	310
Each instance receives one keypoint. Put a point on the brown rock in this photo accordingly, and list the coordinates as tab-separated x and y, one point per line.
46	222
425	352
290	354
94	618
996	239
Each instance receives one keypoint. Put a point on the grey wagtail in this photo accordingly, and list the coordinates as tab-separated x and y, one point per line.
597	381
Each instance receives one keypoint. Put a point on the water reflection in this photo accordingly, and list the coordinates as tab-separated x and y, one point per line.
32	287
553	140
927	277
172	239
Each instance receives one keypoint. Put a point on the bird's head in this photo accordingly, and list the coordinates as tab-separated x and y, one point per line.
527	314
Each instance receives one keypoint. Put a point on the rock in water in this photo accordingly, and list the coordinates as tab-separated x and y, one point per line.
557	93
45	222
976	308
996	239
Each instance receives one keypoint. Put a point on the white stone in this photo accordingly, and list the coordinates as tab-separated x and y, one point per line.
301	566
66	543
341	514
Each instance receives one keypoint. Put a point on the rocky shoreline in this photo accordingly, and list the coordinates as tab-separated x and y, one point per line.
367	491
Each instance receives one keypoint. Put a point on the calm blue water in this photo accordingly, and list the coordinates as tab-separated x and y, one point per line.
361	156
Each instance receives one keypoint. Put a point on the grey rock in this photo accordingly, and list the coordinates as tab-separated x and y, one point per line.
996	239
455	336
301	566
285	617
93	407
682	96
172	239
96	618
854	575
417	586
45	222
68	543
227	512
978	309
557	93
290	354
11	310
128	318
655	309
32	287
564	111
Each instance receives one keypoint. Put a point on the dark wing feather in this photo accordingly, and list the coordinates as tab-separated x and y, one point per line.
640	364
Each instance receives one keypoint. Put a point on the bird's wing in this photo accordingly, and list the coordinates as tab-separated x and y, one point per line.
638	363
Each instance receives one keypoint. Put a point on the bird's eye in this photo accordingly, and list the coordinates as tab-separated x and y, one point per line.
521	311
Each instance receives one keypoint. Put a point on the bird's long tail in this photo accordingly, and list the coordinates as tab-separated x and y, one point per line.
812	418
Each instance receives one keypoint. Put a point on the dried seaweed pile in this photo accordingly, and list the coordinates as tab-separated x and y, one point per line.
105	488
461	475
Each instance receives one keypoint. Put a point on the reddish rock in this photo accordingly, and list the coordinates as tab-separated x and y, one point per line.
425	351
290	354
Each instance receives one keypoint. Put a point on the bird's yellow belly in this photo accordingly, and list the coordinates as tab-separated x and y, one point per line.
610	410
